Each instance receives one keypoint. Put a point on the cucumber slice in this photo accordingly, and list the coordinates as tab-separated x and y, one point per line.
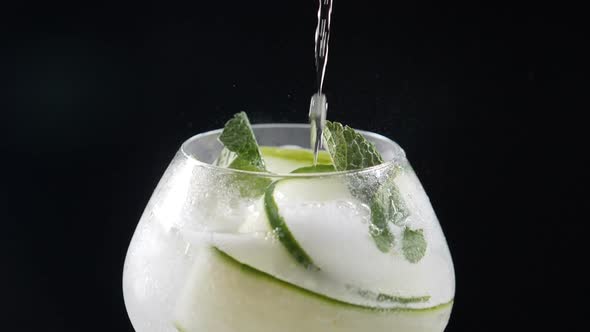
281	230
224	295
315	169
329	227
281	160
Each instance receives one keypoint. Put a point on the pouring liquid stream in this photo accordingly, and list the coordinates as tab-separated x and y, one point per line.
319	105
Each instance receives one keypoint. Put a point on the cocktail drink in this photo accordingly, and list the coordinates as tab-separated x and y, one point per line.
244	234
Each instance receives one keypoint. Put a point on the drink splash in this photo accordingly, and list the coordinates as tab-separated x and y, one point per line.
319	105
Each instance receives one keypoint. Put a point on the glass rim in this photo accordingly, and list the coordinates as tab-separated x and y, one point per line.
395	161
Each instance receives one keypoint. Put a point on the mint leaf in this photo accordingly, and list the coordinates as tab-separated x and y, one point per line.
387	206
389	198
249	185
349	149
241	152
379	229
241	148
413	245
244	165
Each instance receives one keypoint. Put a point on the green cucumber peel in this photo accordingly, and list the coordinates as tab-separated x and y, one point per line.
247	269
281	231
301	155
314	169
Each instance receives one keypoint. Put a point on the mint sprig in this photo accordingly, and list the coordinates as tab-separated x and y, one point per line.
387	206
413	245
241	148
379	218
241	152
349	150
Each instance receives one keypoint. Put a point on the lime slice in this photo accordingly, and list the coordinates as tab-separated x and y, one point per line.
222	294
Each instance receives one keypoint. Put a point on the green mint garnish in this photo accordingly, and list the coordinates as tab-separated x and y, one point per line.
349	150
390	200
379	229
241	152
413	245
387	206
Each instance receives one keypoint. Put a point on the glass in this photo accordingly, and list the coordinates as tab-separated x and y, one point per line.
204	258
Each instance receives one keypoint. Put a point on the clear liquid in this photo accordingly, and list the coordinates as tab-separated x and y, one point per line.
319	105
317	119
322	37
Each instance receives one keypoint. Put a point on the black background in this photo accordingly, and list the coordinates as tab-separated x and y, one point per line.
98	96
